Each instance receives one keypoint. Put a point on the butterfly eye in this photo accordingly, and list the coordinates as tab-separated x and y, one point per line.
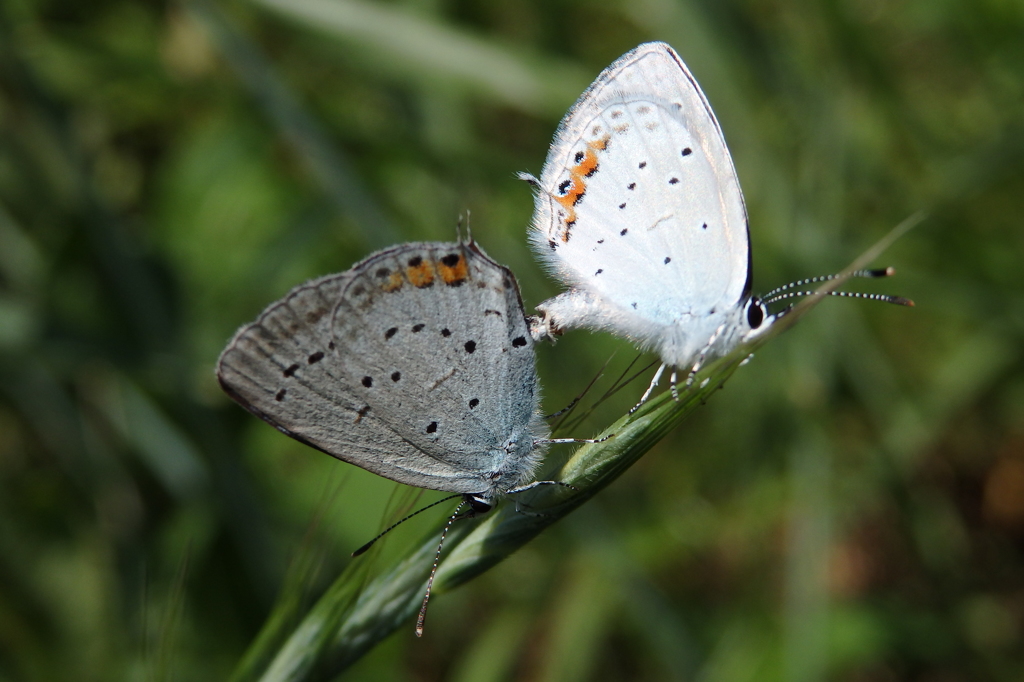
479	503
755	313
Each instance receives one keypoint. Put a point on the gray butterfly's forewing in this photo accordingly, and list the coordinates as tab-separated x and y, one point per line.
416	365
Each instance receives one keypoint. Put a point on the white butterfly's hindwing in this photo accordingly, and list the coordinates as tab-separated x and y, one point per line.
639	206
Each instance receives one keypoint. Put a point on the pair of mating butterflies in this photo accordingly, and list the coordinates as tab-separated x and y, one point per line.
418	364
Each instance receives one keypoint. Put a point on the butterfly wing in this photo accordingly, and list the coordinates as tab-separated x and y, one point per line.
358	365
639	207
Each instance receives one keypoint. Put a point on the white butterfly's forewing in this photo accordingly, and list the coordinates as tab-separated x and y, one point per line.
639	204
416	365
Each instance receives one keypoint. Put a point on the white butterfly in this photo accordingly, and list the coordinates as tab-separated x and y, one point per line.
639	211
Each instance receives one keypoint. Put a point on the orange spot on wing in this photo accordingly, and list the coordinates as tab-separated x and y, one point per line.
587	166
453	269
393	282
568	220
577	188
421	275
600	145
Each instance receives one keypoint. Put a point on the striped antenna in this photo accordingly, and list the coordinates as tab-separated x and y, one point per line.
885	298
784	292
420	619
866	274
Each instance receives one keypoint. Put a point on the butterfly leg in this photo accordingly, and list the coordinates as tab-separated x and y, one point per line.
696	367
531	486
569	310
563	441
542	327
650	389
564	409
673	381
703	355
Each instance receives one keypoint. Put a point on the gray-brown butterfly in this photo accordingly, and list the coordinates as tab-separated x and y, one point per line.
416	364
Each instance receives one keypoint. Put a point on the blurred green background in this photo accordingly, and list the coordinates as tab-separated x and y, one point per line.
851	507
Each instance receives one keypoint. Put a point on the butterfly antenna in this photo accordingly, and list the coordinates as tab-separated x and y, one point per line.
433	570
622	382
884	298
586	389
867	274
617	385
390	528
